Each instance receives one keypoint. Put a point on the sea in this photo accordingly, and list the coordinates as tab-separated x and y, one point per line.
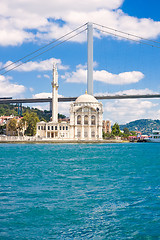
80	191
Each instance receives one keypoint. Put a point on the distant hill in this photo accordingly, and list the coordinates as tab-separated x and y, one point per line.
146	126
9	109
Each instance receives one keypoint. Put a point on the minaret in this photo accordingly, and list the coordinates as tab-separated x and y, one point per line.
55	95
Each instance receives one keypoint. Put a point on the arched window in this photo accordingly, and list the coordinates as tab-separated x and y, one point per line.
79	119
93	120
93	134
85	109
86	119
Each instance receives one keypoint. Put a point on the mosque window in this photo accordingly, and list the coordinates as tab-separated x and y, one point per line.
93	111
79	119
63	127
93	134
48	127
78	134
93	120
86	109
86	119
51	127
38	127
60	128
79	110
85	134
55	127
44	127
41	127
66	127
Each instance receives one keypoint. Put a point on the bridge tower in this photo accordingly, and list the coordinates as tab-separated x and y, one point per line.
90	59
55	95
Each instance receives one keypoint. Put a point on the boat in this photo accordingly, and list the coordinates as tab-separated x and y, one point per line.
154	137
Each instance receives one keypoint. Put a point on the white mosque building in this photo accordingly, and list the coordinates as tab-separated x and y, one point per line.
86	117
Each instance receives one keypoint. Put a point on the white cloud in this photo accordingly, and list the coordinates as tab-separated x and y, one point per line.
127	110
8	89
46	76
31	89
129	92
44	95
118	79
19	18
80	76
45	65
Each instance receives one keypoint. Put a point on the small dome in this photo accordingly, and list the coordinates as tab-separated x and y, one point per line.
86	98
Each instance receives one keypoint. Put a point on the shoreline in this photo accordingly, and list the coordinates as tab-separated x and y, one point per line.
61	141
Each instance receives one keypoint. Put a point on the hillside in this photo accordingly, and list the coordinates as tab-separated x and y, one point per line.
8	109
146	126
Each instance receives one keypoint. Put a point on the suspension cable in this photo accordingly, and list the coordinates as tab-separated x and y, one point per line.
43	52
131	39
133	35
42	47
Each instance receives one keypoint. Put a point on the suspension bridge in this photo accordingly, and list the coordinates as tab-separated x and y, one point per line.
89	29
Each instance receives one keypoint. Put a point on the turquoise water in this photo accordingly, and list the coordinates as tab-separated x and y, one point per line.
81	191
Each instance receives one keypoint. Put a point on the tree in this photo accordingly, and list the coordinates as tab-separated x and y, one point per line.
12	126
21	126
126	131
31	120
115	130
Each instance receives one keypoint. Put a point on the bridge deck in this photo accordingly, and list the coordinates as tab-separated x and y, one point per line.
70	99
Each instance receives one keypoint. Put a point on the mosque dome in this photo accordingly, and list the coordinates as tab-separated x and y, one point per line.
86	98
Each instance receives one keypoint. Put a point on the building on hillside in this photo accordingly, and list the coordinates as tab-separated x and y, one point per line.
4	119
15	129
106	126
86	116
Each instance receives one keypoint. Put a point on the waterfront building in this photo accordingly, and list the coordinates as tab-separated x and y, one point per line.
86	116
106	126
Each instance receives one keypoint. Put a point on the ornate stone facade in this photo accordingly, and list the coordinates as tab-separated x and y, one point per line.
86	118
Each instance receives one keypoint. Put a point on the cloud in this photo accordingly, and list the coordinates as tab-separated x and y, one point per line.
8	89
23	21
80	76
31	89
45	65
129	92
118	79
123	111
46	76
44	95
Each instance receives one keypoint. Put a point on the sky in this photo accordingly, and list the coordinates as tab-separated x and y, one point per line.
121	66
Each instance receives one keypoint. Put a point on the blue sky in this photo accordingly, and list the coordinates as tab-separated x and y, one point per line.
120	66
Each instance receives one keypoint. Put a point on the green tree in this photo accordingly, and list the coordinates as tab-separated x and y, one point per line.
31	120
21	126
126	131
12	126
116	130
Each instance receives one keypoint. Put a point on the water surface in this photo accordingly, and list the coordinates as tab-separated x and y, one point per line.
80	191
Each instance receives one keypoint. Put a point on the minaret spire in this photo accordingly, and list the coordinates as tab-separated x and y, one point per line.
55	94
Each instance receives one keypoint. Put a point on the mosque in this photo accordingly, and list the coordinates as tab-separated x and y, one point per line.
86	118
